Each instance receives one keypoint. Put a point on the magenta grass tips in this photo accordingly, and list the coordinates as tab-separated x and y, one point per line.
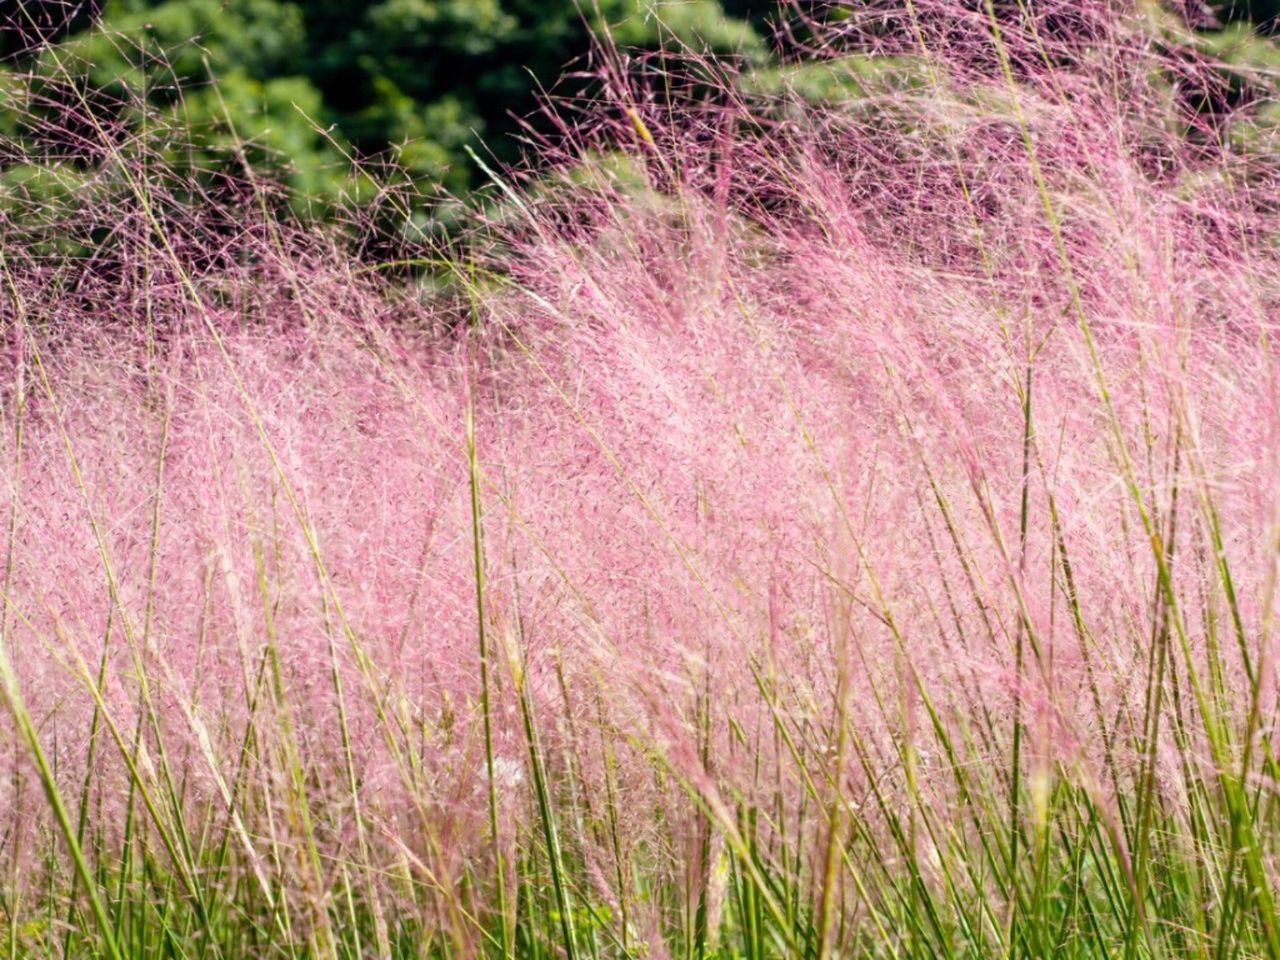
823	511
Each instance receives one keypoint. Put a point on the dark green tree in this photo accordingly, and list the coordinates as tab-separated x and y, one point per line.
307	83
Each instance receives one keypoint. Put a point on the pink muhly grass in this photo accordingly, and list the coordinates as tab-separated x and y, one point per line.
874	503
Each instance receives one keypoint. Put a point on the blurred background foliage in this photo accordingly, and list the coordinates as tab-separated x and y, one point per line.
304	86
308	84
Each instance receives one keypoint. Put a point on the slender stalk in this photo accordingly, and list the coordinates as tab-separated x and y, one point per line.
486	702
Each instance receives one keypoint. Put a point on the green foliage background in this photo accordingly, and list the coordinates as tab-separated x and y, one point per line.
306	84
412	80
